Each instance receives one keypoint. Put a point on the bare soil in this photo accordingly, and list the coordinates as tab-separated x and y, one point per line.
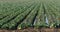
33	30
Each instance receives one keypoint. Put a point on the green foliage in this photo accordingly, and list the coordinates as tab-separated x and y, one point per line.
26	13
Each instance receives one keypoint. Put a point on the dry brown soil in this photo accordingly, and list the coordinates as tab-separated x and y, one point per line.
33	30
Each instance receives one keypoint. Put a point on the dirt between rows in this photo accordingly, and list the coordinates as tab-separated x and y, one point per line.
33	30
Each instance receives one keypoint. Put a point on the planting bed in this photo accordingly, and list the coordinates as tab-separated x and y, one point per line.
21	14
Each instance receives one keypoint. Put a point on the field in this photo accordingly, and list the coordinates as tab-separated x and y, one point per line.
20	14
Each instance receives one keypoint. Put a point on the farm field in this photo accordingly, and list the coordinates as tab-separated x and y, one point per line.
20	14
